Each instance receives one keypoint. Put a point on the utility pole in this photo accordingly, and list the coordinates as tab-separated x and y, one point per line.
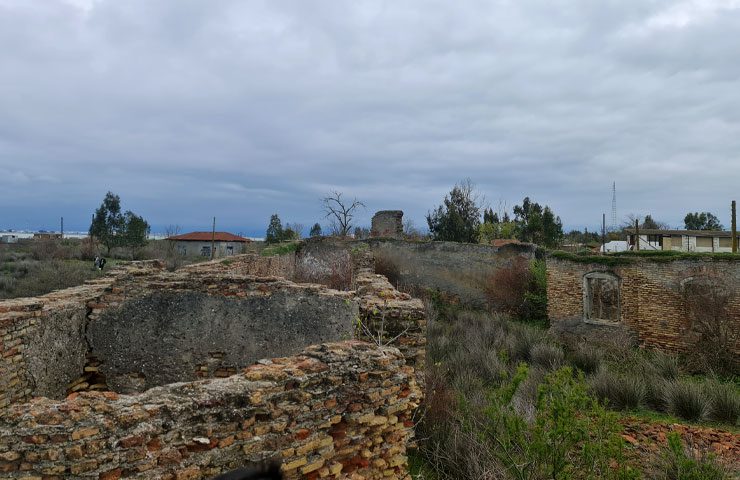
734	226
603	233
637	235
213	239
62	228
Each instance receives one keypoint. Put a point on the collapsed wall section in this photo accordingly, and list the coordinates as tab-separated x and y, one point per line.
42	343
461	271
334	410
650	297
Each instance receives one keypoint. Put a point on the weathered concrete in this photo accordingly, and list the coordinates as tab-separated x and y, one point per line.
167	337
59	347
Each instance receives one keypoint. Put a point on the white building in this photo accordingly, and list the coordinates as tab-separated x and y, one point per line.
706	241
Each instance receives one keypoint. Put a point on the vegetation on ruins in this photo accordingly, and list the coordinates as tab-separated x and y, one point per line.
458	218
519	289
340	212
507	400
115	229
702	221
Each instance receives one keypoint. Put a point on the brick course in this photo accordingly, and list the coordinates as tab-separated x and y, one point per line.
652	303
337	410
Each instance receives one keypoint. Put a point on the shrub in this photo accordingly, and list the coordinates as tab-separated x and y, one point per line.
506	287
620	392
724	402
547	355
664	365
586	358
655	392
679	463
686	400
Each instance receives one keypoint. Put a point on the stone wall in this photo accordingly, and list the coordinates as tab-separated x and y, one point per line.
42	344
652	303
387	224
459	270
333	411
249	264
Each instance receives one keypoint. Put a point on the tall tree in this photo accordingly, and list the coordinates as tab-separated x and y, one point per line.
341	212
538	225
315	230
274	232
114	229
135	232
702	221
458	218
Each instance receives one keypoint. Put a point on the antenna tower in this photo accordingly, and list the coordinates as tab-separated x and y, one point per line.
614	206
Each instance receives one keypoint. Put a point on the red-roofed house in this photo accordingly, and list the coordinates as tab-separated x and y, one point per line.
199	243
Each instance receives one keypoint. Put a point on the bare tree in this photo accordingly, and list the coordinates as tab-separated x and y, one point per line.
340	212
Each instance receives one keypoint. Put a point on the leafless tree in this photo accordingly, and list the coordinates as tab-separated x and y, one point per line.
340	212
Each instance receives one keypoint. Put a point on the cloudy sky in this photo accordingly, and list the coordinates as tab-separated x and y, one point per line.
191	108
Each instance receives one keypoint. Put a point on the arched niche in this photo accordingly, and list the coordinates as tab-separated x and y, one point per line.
602	297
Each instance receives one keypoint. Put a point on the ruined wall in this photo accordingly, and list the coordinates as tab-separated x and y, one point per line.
460	270
185	326
652	301
387	224
249	264
42	344
334	410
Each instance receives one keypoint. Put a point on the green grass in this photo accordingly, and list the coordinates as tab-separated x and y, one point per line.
418	467
280	249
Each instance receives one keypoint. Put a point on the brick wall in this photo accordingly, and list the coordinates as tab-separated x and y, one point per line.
336	410
651	296
250	264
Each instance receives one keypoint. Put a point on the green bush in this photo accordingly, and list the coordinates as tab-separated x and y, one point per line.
675	463
686	400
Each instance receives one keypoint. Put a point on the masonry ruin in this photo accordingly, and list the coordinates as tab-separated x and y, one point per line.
387	223
659	300
187	374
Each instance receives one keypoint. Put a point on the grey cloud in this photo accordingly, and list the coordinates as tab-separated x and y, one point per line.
189	109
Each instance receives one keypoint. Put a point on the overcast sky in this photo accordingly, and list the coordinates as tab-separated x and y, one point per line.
189	109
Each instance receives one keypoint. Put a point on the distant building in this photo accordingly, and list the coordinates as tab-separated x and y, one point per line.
199	243
706	241
46	236
615	246
8	238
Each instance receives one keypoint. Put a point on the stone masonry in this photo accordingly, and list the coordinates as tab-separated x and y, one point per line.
387	224
651	300
340	410
335	410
